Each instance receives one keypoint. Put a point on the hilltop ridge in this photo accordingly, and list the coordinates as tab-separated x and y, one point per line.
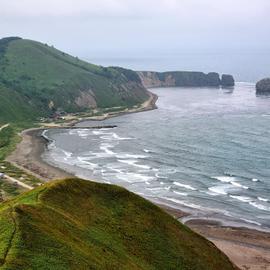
78	224
36	80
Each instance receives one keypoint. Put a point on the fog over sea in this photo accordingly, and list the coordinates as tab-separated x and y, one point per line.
204	150
244	65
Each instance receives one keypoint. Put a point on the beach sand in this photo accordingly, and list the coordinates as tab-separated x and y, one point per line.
28	152
248	249
27	156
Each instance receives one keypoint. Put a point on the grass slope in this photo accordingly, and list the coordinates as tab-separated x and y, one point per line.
77	224
42	79
14	108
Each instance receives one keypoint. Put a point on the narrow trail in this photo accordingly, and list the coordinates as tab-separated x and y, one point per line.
18	182
12	215
4	126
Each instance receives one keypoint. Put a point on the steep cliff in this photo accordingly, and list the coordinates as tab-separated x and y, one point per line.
182	78
43	79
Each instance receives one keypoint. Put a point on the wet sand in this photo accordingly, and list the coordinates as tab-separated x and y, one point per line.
27	156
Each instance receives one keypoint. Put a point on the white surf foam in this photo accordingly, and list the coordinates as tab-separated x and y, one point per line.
251	221
184	186
158	175
219	189
106	148
84	162
260	206
231	180
111	136
100	132
225	179
83	133
73	132
241	198
159	188
238	185
123	156
262	199
133	162
134	177
180	193
116	137
67	154
190	205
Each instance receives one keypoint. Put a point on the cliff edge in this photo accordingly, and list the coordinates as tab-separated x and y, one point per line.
184	78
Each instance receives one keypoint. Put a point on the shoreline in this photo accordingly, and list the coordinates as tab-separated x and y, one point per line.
247	248
28	153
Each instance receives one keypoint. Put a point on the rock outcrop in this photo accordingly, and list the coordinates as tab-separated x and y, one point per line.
227	80
263	86
183	78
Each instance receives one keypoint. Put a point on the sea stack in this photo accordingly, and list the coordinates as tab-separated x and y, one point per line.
227	80
213	79
263	87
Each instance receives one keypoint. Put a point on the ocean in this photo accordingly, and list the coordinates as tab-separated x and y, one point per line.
204	150
245	66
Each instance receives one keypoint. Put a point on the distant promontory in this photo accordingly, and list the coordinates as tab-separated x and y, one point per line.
263	86
184	78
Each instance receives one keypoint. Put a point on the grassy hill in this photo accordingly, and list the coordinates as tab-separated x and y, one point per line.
37	79
77	224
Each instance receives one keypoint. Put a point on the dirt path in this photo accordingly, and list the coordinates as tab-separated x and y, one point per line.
13	218
4	126
17	182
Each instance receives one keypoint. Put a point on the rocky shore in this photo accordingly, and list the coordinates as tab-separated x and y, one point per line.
263	87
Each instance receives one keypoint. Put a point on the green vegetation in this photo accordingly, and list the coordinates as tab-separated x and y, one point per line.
9	190
77	224
8	140
37	80
19	174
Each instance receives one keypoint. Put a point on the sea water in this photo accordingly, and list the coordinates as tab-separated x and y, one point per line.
204	150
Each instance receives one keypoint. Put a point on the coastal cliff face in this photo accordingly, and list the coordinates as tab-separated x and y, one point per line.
184	78
43	80
263	86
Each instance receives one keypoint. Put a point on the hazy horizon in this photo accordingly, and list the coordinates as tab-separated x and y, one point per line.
224	36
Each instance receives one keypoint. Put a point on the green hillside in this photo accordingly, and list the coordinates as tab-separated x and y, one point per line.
77	224
36	79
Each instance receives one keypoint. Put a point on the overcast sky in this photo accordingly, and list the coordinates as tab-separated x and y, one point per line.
82	26
90	28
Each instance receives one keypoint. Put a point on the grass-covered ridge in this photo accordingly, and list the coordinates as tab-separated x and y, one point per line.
77	224
37	79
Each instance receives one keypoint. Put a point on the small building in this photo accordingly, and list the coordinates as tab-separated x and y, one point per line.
2	175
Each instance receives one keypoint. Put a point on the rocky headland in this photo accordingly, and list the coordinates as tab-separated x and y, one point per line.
184	78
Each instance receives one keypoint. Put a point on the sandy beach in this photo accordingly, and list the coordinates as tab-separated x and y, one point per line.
27	156
248	249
